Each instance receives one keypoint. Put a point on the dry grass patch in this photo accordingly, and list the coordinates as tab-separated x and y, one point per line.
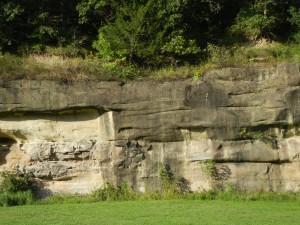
45	67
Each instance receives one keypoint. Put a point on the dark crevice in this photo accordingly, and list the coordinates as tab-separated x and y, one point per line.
277	162
124	128
70	110
7	141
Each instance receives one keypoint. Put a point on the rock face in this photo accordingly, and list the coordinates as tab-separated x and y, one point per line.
77	137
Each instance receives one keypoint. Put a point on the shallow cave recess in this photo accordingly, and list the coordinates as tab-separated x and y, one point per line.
7	140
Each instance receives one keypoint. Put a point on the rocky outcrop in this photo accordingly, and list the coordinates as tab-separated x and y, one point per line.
76	137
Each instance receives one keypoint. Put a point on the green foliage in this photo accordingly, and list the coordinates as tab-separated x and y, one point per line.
255	21
28	26
72	64
172	186
247	55
144	32
124	193
168	189
10	11
203	68
223	56
166	176
141	38
208	167
248	134
295	20
122	39
15	199
12	183
295	16
16	190
265	19
178	45
218	177
169	31
112	193
95	13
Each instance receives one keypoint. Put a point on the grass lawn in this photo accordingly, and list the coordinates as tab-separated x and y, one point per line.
156	212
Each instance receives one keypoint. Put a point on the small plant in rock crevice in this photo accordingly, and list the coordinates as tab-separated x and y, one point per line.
166	176
218	177
171	184
248	134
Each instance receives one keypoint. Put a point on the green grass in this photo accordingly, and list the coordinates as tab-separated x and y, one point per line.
155	212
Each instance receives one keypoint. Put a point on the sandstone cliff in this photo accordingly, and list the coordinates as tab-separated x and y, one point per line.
76	137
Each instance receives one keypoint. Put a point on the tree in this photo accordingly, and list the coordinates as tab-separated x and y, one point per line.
93	14
266	19
27	25
295	20
207	21
255	21
146	32
10	24
54	22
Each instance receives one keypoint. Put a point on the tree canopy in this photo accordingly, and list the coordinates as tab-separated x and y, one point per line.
144	32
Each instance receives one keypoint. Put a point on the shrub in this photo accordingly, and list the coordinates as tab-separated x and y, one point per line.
218	177
110	192
18	198
16	189
172	186
12	183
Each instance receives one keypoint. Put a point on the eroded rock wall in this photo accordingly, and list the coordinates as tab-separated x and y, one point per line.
76	137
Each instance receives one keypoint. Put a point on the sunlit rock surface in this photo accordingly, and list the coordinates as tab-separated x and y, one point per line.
76	137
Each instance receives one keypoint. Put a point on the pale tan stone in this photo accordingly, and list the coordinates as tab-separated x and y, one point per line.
76	137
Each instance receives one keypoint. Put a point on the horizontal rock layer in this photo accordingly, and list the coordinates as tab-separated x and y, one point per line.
76	137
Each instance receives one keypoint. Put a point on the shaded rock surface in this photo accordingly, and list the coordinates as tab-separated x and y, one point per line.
77	137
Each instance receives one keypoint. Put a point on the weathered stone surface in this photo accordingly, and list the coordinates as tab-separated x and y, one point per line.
290	150
246	151
76	137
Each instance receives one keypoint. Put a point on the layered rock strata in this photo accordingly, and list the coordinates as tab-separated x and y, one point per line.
76	137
